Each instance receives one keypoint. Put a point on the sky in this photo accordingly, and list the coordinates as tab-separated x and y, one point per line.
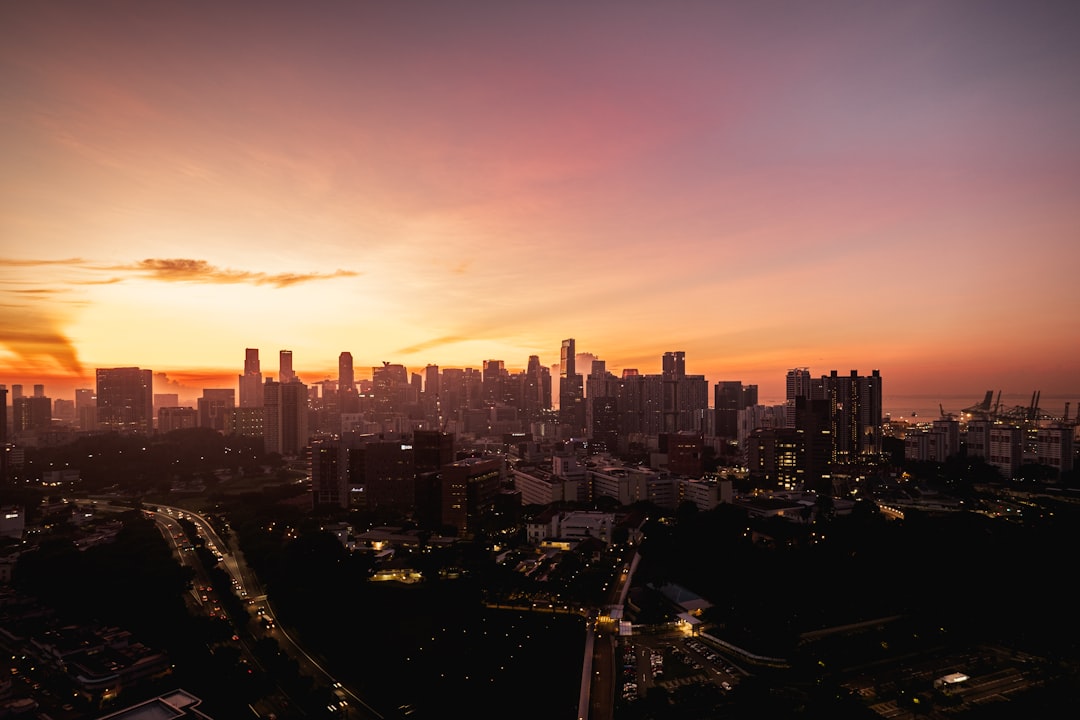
762	185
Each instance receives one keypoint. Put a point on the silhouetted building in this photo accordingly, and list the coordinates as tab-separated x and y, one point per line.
686	453
285	367
729	397
348	397
432	450
3	433
31	413
469	491
855	407
125	400
251	389
214	405
797	385
571	393
285	420
177	418
86	408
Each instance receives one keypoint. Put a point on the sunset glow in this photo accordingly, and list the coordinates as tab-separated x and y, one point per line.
838	185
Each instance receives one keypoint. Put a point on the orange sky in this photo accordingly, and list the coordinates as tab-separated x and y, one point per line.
761	185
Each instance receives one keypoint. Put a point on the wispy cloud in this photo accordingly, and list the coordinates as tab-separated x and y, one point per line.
36	311
200	271
433	343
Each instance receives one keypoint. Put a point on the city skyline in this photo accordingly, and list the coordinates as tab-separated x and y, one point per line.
760	186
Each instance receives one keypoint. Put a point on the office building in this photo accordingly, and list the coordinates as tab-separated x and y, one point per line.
177	418
214	405
571	393
855	408
125	400
348	397
796	386
251	382
31	413
285	367
470	488
3	432
285	417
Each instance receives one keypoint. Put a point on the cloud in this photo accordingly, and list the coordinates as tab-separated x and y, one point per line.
200	271
36	310
37	342
434	342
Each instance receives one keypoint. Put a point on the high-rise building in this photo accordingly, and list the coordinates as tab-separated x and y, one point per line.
536	397
285	369
251	382
1055	447
214	405
177	418
674	363
798	385
125	399
31	413
684	398
571	392
391	390
348	397
469	491
86	408
855	408
285	417
3	433
494	380
432	449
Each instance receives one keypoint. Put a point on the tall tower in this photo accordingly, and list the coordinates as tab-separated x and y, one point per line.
285	408
798	386
251	390
348	398
125	399
571	392
3	433
674	364
285	370
346	378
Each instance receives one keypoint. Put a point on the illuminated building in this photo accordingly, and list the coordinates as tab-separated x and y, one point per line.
469	491
571	393
797	385
177	418
285	418
31	413
125	401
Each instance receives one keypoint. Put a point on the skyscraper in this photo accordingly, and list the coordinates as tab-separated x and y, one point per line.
214	405
285	419
798	385
125	399
348	398
855	408
285	370
346	378
251	389
3	433
571	392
